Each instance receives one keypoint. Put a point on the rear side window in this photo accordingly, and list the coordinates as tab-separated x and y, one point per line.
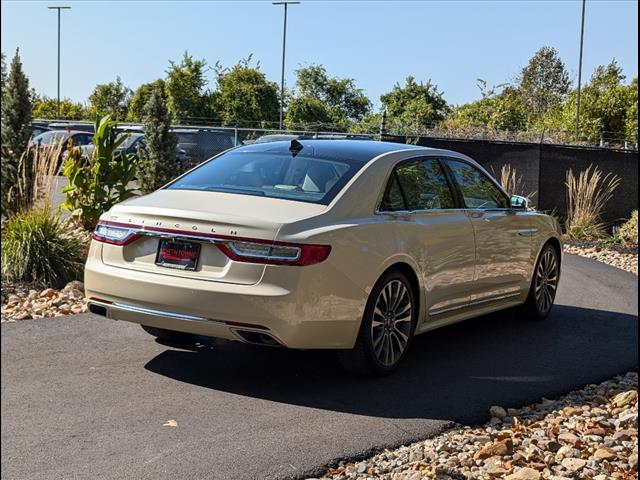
421	184
302	177
477	188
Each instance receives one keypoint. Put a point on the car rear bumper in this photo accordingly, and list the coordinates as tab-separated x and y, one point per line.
296	307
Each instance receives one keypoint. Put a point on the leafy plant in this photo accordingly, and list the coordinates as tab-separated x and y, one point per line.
587	196
103	180
35	248
628	232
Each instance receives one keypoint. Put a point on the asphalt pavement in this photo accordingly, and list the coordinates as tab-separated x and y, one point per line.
87	397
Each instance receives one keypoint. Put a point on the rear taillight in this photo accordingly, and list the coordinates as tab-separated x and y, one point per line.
114	235
274	253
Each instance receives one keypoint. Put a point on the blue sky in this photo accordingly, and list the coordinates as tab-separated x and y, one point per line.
377	43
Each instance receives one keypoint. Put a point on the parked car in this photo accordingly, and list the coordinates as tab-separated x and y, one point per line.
277	137
54	138
136	143
38	127
321	244
87	127
201	144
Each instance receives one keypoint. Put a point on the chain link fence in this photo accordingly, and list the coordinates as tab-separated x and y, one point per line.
202	140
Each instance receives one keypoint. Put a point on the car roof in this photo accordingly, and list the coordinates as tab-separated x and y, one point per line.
358	150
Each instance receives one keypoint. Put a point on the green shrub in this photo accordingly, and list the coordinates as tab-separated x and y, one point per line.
628	233
36	248
98	183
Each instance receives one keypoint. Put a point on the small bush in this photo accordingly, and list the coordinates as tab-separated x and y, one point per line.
628	233
36	249
587	196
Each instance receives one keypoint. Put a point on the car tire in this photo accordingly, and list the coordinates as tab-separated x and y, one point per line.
387	327
169	335
544	285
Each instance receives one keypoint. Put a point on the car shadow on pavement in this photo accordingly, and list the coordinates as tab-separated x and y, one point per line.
495	359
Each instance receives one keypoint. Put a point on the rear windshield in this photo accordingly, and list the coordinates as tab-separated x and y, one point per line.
268	174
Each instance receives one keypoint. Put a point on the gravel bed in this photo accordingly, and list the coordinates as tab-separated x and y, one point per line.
615	255
588	434
22	301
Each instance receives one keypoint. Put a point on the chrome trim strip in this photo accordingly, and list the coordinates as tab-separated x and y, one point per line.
177	236
153	311
474	303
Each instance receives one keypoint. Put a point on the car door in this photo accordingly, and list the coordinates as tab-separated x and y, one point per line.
432	229
502	234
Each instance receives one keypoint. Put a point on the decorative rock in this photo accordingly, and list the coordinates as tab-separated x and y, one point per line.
524	474
574	464
498	412
625	398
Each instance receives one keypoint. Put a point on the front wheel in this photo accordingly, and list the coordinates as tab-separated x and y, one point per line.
387	327
544	285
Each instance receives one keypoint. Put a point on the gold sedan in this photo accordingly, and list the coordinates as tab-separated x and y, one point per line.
333	244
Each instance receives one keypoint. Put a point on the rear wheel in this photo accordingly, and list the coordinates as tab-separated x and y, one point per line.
170	335
544	285
387	327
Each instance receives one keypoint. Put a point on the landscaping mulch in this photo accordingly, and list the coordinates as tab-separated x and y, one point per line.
616	255
590	433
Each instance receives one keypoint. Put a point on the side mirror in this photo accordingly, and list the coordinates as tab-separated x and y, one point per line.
519	203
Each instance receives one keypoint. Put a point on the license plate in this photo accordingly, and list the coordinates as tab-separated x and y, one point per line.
181	255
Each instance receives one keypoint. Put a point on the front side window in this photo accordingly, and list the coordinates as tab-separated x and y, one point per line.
420	185
301	177
477	189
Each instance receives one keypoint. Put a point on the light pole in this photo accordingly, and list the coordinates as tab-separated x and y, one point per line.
286	3
584	3
59	8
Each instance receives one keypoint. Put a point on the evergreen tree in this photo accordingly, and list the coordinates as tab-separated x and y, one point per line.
16	110
15	128
158	165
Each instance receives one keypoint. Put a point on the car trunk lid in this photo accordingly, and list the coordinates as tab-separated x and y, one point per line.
200	217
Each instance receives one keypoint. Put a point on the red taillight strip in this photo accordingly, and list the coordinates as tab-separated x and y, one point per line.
309	253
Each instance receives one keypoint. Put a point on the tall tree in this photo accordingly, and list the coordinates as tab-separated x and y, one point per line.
140	98
158	165
604	103
15	128
110	99
3	73
45	107
544	83
500	107
244	96
414	106
321	99
186	90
